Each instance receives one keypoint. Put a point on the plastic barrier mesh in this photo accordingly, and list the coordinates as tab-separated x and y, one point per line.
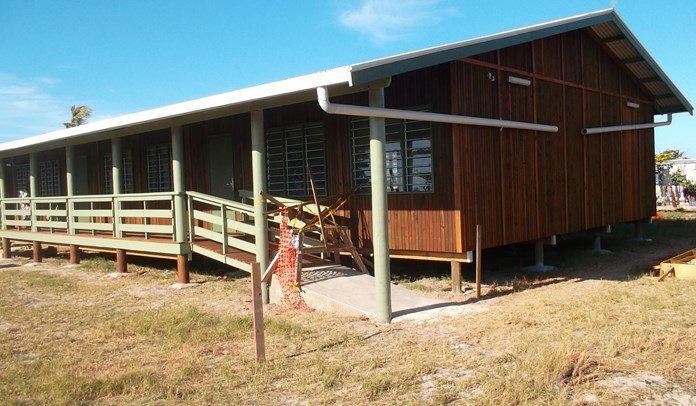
287	267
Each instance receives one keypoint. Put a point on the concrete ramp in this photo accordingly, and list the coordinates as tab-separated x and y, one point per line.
339	289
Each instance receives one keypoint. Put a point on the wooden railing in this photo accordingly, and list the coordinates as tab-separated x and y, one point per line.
149	216
142	215
226	222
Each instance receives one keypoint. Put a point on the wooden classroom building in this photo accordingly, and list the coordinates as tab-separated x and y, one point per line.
530	133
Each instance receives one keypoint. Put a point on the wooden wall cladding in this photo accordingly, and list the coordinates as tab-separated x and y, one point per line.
523	185
417	221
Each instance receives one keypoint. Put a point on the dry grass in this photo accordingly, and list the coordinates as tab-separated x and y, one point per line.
71	336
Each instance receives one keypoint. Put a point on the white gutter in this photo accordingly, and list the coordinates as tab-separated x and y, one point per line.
600	130
364	111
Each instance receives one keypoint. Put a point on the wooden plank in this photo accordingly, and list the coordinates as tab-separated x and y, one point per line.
91	213
257	313
147	228
205	233
666	274
145	213
479	239
207	217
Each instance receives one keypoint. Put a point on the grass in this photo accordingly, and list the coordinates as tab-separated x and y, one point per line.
68	336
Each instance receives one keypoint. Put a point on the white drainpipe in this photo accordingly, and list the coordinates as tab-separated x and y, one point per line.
364	111
599	130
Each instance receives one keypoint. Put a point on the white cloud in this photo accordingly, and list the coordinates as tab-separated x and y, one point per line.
27	107
388	20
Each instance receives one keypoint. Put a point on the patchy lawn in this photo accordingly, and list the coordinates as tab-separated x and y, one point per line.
599	330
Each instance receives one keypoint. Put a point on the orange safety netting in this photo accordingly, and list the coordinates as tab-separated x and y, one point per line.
287	267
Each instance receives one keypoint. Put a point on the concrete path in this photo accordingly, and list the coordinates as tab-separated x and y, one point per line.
343	290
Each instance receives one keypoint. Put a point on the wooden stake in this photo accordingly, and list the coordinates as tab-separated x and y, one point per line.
478	261
456	276
257	312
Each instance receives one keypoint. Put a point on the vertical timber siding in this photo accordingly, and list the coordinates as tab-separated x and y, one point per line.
522	185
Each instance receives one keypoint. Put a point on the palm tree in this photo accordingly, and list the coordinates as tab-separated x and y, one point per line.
79	116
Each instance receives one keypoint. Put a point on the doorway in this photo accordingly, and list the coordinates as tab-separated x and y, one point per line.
221	166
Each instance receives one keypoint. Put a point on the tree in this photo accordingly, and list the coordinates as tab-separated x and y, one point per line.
666	179
79	116
668	155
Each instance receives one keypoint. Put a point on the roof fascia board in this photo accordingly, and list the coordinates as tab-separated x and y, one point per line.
653	64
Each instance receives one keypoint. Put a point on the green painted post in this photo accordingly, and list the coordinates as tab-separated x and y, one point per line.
179	186
70	189
116	165
380	230
69	170
258	169
33	185
178	174
116	169
2	193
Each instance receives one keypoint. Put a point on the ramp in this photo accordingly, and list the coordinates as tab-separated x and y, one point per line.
339	289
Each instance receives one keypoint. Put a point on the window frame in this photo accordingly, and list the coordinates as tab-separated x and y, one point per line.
127	180
284	160
22	177
49	178
160	180
405	164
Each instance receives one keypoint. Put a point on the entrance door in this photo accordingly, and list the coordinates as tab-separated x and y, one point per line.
80	181
220	166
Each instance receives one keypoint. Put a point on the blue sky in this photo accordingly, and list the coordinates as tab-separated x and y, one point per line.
124	56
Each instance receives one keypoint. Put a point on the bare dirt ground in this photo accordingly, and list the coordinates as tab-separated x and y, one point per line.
595	331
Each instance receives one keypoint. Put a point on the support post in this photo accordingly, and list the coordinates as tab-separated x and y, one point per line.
6	248
478	260
6	244
70	188
33	185
3	192
69	170
456	271
116	165
182	269
178	174
74	254
179	184
597	242
33	174
380	227
539	265
37	252
258	169
638	232
121	261
257	312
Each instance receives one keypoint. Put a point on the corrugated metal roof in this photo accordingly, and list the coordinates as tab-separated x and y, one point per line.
604	24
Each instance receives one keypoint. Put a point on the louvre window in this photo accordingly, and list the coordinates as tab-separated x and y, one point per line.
159	168
49	174
127	185
22	177
288	152
408	155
